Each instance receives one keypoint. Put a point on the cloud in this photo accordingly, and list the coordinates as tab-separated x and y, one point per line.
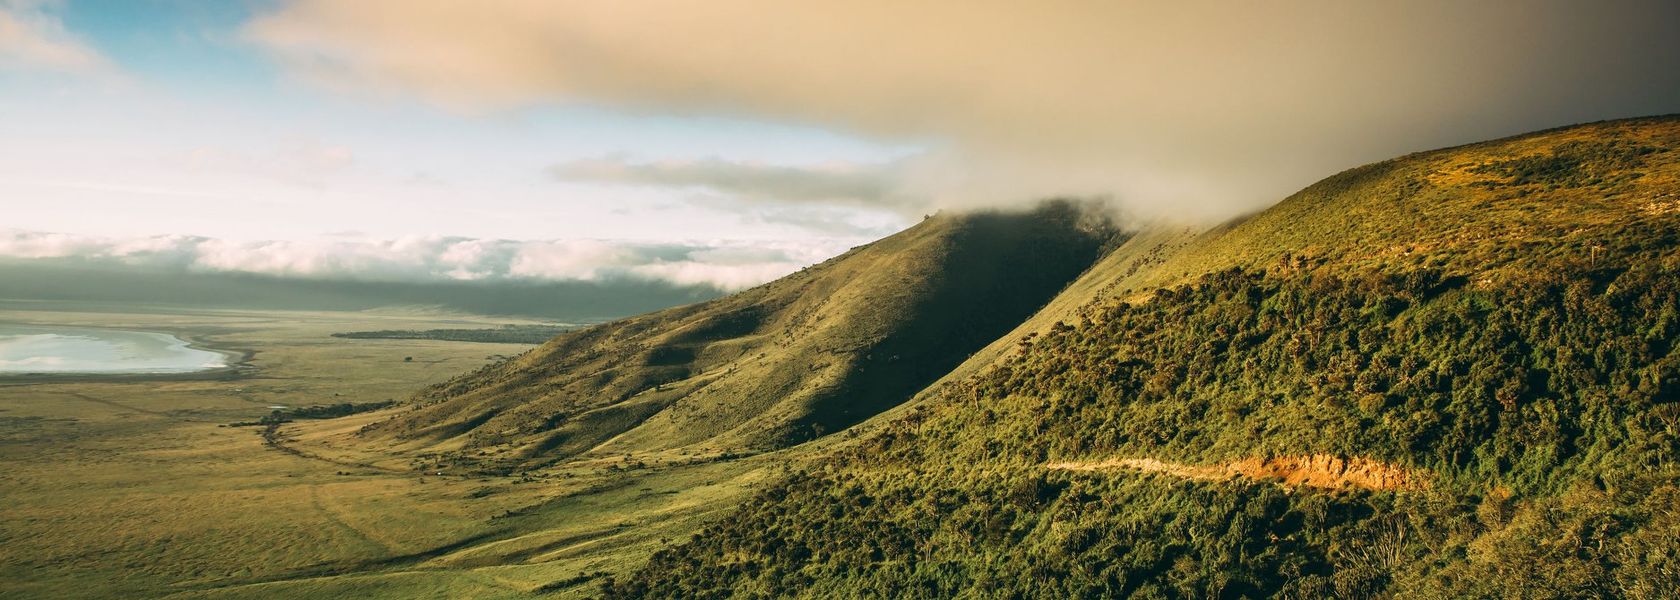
34	39
846	184
824	220
1178	108
725	265
824	198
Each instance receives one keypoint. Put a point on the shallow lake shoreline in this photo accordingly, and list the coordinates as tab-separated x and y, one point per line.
237	360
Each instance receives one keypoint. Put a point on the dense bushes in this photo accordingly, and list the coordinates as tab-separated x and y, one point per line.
1544	408
319	411
1516	385
856	535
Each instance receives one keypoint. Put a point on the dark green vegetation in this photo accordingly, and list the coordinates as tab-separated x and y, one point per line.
322	411
1499	319
506	334
1559	392
776	365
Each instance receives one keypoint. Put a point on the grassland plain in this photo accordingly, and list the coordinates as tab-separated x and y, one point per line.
133	488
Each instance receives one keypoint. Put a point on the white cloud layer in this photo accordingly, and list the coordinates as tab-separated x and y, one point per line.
726	265
838	183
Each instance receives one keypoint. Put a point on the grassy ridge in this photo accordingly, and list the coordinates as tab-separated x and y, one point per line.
1467	211
776	365
1483	316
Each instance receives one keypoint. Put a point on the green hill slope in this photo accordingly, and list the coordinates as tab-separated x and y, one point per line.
1498	209
786	362
1451	374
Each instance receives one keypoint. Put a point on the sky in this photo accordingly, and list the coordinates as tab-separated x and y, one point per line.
729	142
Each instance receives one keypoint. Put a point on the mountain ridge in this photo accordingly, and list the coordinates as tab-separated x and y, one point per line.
1495	320
772	366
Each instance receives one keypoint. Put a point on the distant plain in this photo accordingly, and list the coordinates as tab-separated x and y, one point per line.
140	488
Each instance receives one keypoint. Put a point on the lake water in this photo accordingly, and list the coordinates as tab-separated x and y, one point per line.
53	349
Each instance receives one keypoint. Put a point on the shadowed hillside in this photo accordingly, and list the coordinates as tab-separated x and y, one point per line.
789	361
1451	374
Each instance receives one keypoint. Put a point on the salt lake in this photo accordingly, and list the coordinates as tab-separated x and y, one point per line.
44	349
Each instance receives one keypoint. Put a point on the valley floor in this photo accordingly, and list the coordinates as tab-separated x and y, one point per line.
130	488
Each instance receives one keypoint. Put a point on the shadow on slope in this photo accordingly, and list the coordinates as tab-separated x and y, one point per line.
772	366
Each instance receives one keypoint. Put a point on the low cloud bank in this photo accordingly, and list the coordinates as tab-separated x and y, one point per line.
1174	108
725	265
847	184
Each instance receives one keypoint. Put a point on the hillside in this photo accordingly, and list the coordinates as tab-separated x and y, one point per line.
1579	197
785	362
1451	374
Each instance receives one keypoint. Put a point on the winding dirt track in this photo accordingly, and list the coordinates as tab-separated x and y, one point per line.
1316	471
